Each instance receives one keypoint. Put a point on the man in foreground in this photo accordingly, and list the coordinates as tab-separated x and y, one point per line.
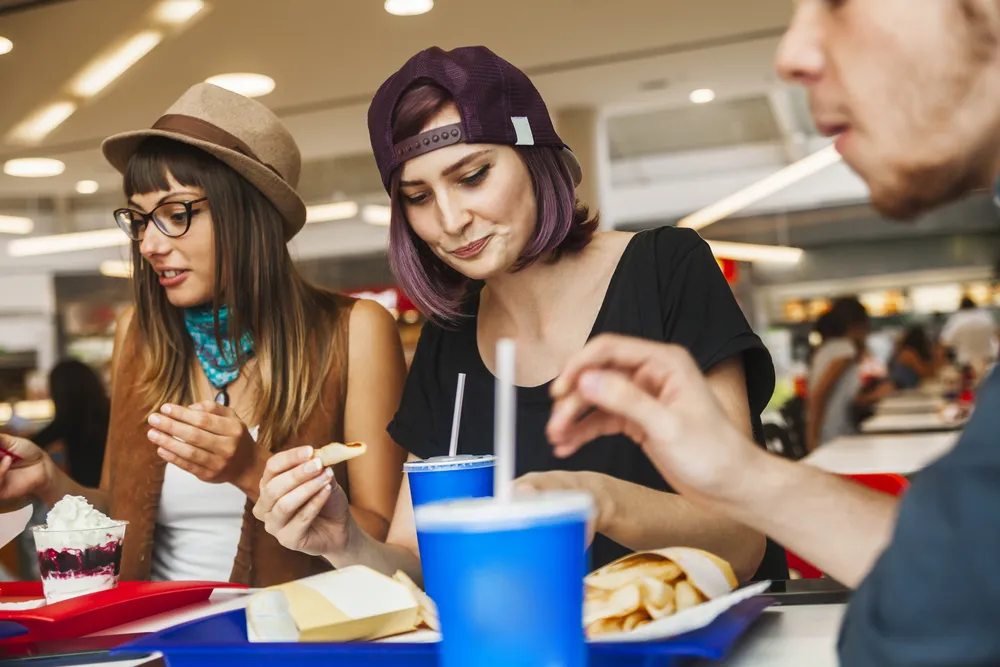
912	90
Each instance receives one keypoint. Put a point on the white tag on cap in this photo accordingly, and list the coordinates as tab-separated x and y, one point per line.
522	126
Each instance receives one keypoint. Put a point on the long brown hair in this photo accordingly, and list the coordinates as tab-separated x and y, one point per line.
289	320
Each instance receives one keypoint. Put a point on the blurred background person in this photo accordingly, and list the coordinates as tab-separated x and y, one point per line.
80	422
835	386
972	334
917	358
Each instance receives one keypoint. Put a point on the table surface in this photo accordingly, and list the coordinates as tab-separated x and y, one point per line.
922	422
909	404
903	454
794	636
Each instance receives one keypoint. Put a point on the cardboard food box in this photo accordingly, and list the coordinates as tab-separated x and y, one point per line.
660	594
352	604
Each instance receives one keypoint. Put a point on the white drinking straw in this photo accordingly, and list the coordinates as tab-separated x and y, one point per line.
505	420
457	417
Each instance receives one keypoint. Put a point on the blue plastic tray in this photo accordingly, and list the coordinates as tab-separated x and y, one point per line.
219	641
10	629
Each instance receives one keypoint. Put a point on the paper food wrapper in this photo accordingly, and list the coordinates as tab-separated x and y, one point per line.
710	575
352	604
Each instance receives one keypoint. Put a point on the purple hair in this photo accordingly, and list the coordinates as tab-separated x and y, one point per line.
564	224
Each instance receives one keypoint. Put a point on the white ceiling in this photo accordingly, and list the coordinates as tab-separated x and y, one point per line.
329	56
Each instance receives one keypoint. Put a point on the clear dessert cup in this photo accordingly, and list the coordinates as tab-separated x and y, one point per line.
78	561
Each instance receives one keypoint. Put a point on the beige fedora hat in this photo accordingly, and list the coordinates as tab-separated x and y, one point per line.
240	132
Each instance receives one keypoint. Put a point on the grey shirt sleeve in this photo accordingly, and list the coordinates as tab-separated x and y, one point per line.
933	598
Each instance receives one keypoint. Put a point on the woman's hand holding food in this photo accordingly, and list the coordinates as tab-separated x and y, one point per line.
301	503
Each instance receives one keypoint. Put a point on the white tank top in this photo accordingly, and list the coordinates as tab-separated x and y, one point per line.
198	528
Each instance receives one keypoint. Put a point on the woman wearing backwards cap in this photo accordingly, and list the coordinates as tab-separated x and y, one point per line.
488	239
230	355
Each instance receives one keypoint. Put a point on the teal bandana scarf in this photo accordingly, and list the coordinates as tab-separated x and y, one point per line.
220	365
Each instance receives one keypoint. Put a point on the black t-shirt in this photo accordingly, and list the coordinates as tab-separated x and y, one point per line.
933	597
667	287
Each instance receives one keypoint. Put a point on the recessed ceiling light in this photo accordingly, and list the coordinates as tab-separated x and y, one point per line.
38	125
100	73
408	7
702	95
341	210
377	214
87	187
15	225
244	83
178	12
33	167
6	46
116	268
50	245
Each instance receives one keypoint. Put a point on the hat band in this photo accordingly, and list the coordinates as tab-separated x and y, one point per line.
428	141
196	128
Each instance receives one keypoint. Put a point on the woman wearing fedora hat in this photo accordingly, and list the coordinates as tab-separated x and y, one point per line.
488	238
229	356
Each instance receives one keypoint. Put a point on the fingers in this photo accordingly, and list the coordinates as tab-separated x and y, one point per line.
213	408
285	461
617	395
568	438
280	485
180	451
311	509
288	505
569	409
167	429
191	421
291	534
620	353
199	471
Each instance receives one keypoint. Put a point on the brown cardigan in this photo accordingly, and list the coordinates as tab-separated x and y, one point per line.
133	476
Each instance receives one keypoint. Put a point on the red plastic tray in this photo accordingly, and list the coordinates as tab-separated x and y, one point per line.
78	617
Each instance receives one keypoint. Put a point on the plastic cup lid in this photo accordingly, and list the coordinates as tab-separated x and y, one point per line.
438	463
110	526
488	514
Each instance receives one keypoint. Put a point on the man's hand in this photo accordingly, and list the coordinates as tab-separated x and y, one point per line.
656	395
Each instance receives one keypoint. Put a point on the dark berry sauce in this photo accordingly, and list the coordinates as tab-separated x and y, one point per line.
66	563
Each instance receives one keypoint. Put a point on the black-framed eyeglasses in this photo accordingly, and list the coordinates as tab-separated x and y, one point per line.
172	218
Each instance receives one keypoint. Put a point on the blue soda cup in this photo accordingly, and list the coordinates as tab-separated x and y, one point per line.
508	579
450	478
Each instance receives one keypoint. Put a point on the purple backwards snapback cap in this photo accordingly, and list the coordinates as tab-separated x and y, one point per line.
497	102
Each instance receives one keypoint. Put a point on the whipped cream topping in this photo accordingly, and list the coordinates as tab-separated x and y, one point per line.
75	513
73	523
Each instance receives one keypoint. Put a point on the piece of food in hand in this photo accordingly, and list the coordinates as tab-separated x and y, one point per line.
428	610
337	452
646	587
